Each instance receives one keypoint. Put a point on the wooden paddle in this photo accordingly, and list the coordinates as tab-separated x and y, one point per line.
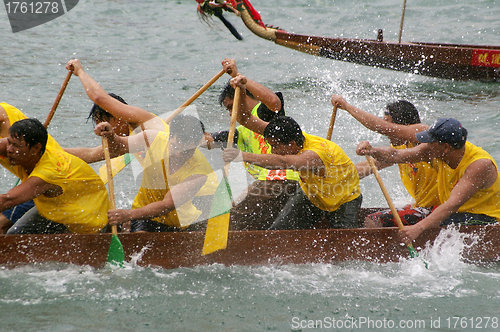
58	99
116	256
402	20
54	107
218	223
196	95
332	123
413	253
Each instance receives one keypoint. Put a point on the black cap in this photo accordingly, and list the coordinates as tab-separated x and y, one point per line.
445	130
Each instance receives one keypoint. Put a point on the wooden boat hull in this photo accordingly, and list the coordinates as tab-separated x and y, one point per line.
183	249
459	62
448	61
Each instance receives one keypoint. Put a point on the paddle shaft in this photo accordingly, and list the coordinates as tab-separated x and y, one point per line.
232	125
111	186
58	99
332	123
386	195
196	95
402	20
54	107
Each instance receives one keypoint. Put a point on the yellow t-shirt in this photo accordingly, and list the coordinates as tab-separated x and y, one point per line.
341	183
84	203
12	113
484	201
15	115
155	182
420	179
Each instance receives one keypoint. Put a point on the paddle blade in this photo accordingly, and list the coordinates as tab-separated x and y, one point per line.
414	254
116	256
117	164
218	223
216	236
411	250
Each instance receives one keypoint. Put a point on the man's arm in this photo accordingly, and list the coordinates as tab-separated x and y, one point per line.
305	160
481	174
175	197
365	170
135	116
26	191
421	152
374	123
117	145
88	155
219	139
263	94
244	116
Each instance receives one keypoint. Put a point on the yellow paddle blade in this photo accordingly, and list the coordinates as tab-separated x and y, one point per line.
218	223
117	164
216	236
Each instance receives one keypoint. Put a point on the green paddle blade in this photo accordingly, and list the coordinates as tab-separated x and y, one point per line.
116	256
414	253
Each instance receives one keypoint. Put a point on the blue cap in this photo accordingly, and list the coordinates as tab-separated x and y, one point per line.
445	130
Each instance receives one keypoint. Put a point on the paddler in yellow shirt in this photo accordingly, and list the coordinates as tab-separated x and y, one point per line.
400	124
329	183
259	205
467	176
174	172
69	196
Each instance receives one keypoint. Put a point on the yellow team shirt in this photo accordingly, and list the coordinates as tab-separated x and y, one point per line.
84	203
341	183
420	180
251	142
13	113
156	184
484	201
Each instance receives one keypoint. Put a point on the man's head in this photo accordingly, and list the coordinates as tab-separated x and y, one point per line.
284	135
28	138
402	112
226	96
445	130
186	131
98	114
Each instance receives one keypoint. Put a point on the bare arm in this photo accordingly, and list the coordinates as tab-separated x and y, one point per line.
135	116
175	197
244	115
374	123
263	94
481	174
305	160
365	170
26	191
421	152
88	155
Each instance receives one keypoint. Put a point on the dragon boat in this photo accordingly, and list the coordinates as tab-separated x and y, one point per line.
259	247
441	60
